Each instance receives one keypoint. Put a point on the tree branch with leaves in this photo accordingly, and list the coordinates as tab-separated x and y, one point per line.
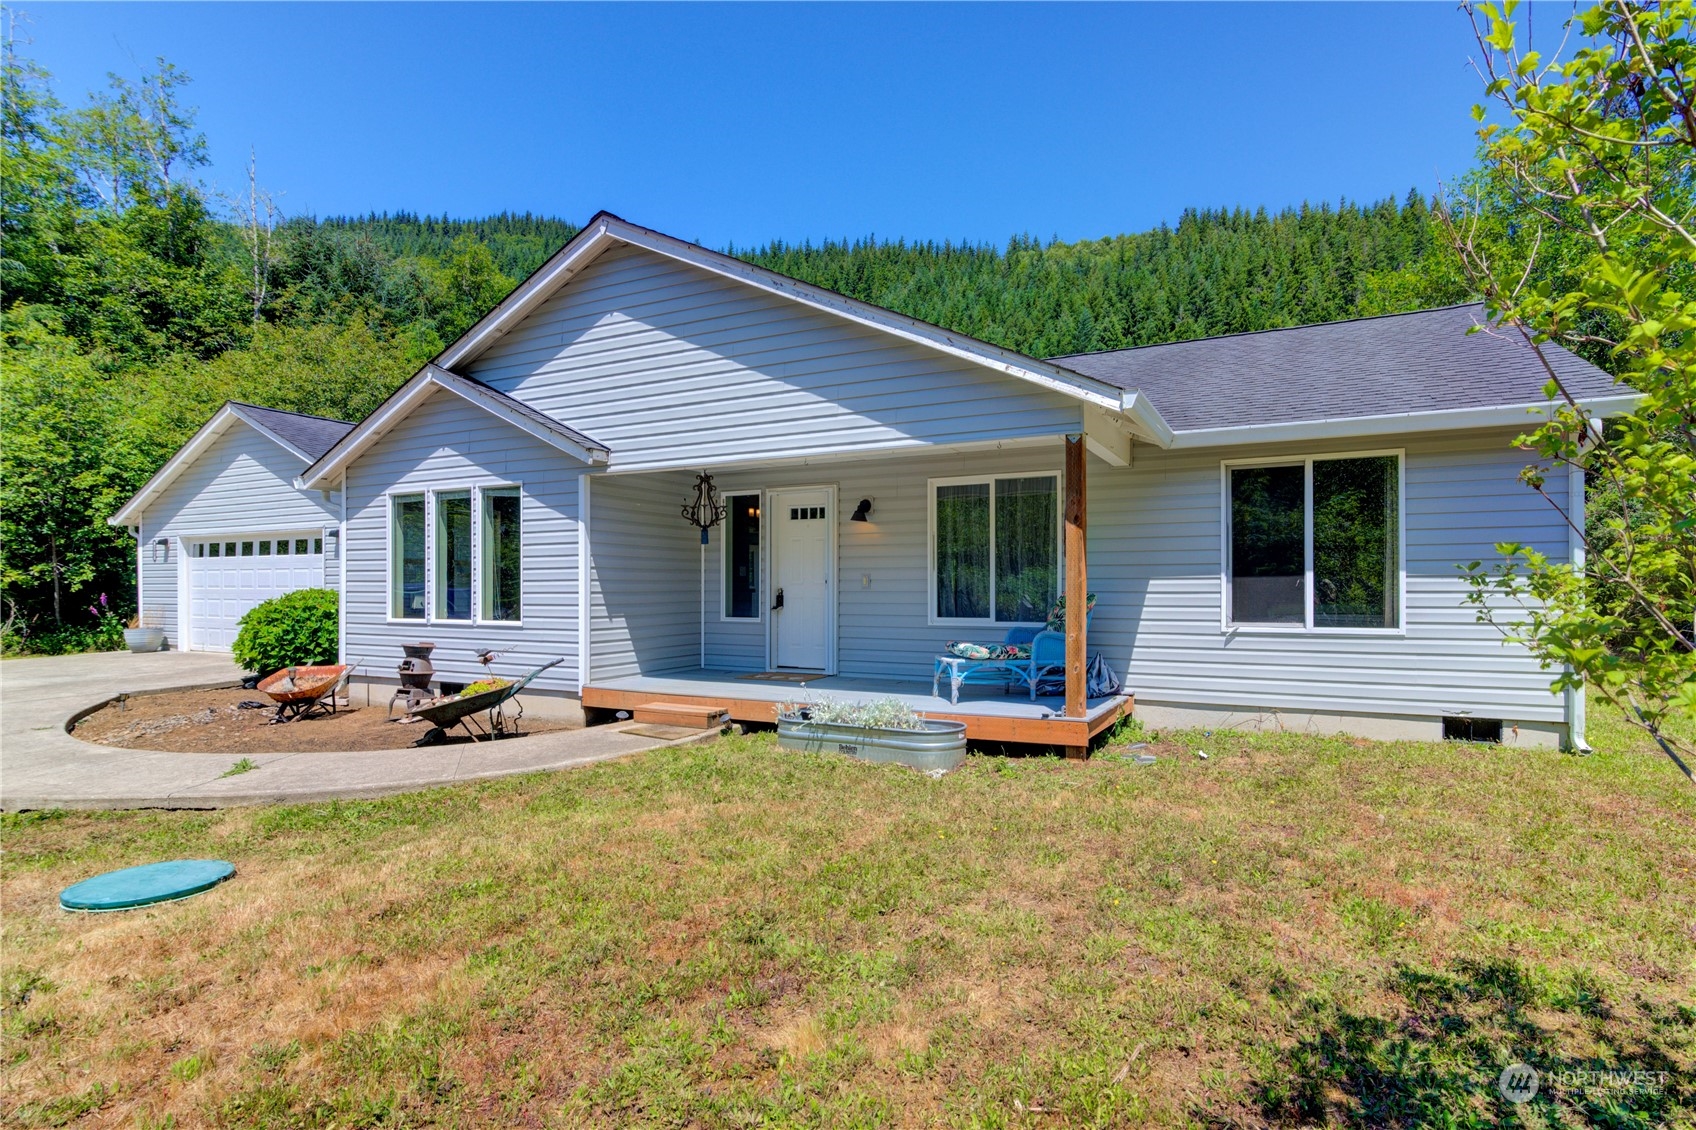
1597	146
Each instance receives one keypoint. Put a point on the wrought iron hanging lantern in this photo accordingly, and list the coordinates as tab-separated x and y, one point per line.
707	508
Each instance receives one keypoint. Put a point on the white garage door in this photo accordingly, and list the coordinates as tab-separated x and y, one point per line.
229	575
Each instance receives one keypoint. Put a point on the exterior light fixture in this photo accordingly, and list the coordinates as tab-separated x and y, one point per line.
706	510
862	512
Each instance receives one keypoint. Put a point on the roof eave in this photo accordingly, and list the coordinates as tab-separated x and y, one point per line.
1144	420
1397	423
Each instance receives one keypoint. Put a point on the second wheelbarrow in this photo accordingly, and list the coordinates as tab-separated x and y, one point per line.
462	710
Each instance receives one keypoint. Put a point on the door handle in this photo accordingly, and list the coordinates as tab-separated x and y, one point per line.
778	603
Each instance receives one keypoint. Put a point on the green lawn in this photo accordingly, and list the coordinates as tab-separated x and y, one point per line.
1296	930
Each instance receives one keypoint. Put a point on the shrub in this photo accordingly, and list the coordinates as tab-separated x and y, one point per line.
103	630
297	629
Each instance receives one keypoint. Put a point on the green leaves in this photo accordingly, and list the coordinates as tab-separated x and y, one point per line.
297	629
1600	153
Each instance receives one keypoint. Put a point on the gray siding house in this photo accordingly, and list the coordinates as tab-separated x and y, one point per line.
222	526
1270	523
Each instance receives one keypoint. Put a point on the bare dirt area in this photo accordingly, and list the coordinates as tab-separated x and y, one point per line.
214	721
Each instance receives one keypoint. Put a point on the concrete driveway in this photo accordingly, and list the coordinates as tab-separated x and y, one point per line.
42	766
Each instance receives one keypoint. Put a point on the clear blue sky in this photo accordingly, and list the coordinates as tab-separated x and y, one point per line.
738	123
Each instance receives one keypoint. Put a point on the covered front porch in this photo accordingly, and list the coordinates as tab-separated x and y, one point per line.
989	715
847	576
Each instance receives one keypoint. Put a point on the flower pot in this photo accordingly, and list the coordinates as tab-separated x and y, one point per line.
144	639
937	748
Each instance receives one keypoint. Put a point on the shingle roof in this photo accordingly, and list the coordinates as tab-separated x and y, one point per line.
313	435
1419	362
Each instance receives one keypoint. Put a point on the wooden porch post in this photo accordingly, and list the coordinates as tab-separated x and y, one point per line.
1077	586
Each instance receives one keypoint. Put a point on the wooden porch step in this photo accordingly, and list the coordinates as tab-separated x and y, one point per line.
681	714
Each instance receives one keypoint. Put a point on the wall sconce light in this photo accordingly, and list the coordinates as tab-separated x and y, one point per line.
862	512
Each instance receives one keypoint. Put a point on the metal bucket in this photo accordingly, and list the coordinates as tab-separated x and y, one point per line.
937	748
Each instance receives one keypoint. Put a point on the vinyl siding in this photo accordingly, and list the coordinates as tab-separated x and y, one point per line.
1155	559
882	569
672	366
644	583
1155	551
243	483
447	444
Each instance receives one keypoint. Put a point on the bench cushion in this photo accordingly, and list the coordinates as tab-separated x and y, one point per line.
990	651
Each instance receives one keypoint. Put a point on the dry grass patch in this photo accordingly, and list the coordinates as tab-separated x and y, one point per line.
1297	930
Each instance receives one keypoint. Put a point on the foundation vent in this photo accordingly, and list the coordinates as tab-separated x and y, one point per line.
1458	729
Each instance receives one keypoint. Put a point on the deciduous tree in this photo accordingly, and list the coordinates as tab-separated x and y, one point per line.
1598	146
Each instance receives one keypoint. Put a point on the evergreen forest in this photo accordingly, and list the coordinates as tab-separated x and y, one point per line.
136	301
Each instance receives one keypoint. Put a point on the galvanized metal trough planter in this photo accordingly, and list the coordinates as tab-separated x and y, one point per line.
936	749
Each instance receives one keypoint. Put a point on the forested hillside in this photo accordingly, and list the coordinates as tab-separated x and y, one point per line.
135	302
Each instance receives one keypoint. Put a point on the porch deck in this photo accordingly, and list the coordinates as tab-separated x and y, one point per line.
989	715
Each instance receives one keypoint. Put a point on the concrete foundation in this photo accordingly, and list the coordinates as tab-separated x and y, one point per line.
1377	727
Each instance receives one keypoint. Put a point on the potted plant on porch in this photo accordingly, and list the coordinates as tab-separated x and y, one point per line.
882	730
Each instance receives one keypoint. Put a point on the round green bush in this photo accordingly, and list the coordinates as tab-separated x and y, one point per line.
297	629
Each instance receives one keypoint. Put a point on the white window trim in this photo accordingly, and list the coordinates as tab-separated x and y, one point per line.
759	617
1306	627
430	617
389	498
477	555
433	591
931	617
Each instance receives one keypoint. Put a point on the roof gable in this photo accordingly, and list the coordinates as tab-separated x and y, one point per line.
302	436
606	230
414	392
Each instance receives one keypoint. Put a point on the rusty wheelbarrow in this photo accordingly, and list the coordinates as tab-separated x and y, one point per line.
305	692
461	710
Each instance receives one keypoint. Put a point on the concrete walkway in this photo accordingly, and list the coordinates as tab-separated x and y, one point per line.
42	766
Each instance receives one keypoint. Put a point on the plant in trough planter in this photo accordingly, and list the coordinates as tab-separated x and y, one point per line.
297	629
880	714
882	730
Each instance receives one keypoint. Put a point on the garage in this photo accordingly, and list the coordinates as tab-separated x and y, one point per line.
230	574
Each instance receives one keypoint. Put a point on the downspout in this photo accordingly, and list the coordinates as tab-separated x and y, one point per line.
585	565
1576	556
341	580
138	574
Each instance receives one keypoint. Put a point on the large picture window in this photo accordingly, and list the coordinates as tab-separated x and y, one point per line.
406	566
742	557
455	555
502	554
996	548
1315	544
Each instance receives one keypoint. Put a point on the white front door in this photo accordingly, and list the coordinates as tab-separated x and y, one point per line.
229	575
802	568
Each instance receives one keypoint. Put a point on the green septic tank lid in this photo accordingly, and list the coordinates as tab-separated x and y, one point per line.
145	885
